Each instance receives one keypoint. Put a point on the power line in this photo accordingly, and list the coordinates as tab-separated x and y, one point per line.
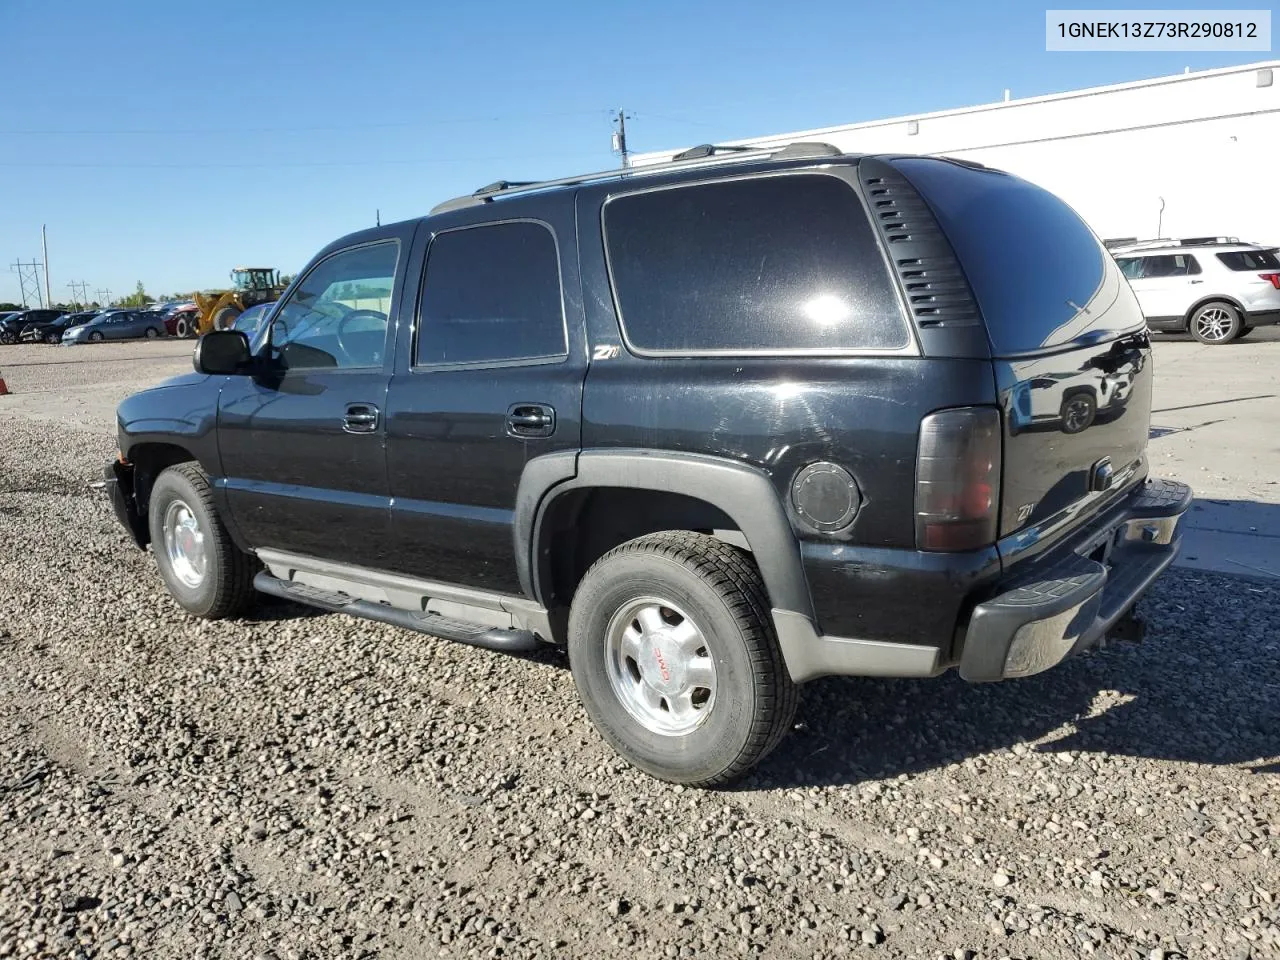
290	164
319	128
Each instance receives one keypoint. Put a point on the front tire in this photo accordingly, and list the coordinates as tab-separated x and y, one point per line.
52	338
674	655
1216	322
203	570
95	337
225	318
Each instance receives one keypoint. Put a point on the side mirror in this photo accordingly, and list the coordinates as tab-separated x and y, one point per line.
222	353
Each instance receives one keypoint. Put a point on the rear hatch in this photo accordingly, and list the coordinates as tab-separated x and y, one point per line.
1072	357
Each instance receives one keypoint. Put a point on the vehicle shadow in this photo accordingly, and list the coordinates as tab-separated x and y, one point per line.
1203	688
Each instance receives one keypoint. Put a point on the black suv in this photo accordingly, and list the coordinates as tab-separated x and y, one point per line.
11	328
721	426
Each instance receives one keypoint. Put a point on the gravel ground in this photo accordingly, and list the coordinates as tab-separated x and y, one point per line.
302	785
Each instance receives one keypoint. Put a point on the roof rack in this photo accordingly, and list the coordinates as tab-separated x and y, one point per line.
1135	244
703	155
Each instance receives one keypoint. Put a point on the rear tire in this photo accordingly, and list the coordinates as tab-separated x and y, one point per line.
180	328
152	333
674	655
204	571
7	337
1215	322
52	338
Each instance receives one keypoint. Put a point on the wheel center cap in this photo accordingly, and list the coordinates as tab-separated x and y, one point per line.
187	541
663	666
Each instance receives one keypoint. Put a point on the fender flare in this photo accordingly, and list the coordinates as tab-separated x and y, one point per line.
744	493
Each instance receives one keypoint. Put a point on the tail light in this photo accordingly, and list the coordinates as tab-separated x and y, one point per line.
1273	278
958	479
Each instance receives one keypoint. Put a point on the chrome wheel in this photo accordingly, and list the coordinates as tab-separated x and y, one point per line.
1214	324
184	544
660	667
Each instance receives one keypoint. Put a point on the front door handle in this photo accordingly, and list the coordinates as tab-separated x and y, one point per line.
360	418
1197	281
526	420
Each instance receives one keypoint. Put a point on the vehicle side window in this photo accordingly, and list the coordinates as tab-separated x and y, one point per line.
337	316
1250	260
1193	266
1169	265
1131	267
778	263
491	294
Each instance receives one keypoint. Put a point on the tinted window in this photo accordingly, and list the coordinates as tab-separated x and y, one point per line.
1031	261
337	316
768	263
1169	265
491	293
1131	267
1251	260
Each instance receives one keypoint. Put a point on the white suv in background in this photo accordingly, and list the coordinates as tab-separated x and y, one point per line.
1217	288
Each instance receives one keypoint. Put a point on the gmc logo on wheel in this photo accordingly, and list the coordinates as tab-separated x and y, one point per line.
662	665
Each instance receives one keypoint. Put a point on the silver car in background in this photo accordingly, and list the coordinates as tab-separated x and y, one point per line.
116	325
1216	288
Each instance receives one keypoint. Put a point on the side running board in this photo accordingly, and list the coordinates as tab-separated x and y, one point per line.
447	628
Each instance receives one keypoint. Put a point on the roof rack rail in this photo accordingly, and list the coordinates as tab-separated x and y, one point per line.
706	154
710	150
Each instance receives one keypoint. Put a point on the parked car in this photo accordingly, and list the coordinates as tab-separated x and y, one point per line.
115	325
183	320
710	424
11	327
1217	288
251	320
51	331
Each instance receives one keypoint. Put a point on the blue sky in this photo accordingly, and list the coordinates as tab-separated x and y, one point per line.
168	142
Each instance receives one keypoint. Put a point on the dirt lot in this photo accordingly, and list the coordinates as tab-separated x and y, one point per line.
302	785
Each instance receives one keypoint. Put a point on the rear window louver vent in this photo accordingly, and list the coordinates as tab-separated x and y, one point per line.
931	278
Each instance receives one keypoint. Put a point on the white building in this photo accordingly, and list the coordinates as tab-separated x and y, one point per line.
1188	155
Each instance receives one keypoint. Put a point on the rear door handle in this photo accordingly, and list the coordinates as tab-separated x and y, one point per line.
1197	281
526	420
360	418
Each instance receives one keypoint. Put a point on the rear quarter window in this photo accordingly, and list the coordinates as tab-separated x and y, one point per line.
1032	262
1241	260
783	263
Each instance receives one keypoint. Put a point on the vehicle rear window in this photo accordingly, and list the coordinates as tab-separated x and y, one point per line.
1250	260
1032	262
778	264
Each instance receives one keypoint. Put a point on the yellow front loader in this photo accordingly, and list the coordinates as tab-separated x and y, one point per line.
220	308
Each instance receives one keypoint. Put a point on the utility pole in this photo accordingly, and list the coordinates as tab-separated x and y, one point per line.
79	292
29	280
44	241
620	135
104	297
377	218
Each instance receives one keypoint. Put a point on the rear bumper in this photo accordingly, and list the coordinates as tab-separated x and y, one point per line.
1066	601
1261	318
